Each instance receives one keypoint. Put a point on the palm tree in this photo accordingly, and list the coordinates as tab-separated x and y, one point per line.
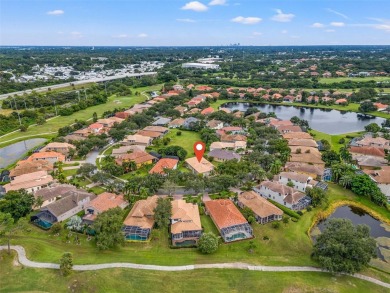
275	166
337	171
345	154
346	180
144	192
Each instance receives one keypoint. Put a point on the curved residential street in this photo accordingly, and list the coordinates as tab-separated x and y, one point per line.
239	266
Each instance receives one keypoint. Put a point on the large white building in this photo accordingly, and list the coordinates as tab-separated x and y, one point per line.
200	66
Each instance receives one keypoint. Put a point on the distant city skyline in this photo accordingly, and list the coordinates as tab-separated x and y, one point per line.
194	23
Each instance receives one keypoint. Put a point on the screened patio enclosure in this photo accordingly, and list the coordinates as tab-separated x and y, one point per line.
237	232
136	233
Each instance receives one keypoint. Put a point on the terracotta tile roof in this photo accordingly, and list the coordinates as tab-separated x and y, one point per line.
188	216
289	128
57	145
228	145
46	155
304	149
232	128
302	142
373	141
381	106
233	137
26	167
224	213
138	157
259	205
153	134
369	161
305	168
106	201
381	176
127	149
164	163
201	167
138	139
156	129
95	126
296	135
141	215
306	158
277	123
203	88
30	180
206	111
177	122
368	150
214	123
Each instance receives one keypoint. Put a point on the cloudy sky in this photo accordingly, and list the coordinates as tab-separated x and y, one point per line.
192	23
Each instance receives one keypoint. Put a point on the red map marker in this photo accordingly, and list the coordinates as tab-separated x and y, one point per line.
199	148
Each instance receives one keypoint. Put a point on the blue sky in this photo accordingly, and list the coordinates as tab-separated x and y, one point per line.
192	23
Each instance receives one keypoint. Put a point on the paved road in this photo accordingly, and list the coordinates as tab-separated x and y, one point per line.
239	266
79	82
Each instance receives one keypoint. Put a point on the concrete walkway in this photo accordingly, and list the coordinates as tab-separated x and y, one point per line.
238	266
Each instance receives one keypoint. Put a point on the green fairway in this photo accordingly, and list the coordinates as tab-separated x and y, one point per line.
353	79
334	139
50	128
16	278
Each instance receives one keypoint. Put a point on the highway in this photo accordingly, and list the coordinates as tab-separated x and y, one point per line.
79	82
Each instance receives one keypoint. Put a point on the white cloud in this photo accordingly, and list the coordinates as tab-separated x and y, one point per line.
185	20
337	24
142	35
317	25
246	20
217	2
56	12
121	36
257	33
338	13
284	31
282	17
329	31
195	6
385	27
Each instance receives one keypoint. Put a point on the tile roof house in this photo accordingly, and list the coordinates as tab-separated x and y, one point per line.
368	151
217	145
136	139
189	122
26	167
176	123
207	111
369	162
382	179
31	182
307	158
127	149
159	129
277	123
304	149
313	171
302	142
140	158
164	163
341	101
297	135
162	121
152	134
263	210
72	137
289	128
96	127
62	209
221	155
283	194
52	157
203	167
85	132
102	203
227	218
379	142
110	122
300	181
59	147
140	220
381	107
54	192
214	124
233	138
186	227
181	109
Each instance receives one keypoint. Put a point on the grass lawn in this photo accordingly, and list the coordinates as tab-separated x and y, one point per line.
97	190
16	278
355	79
50	128
186	140
334	139
70	172
208	225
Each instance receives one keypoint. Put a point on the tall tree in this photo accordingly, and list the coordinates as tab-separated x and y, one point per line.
343	247
108	227
208	243
162	212
17	203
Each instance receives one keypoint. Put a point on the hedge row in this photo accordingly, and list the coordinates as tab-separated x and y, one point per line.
287	211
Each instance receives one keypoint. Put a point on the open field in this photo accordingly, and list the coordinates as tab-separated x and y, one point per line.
354	79
18	278
51	127
186	140
334	139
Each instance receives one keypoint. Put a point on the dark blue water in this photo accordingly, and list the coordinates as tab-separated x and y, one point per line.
324	120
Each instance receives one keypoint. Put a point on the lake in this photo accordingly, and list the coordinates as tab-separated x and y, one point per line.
324	120
378	230
14	152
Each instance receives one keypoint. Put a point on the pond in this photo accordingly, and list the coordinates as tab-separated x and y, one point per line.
324	120
378	230
14	152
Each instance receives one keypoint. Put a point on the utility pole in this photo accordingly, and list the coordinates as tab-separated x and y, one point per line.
16	107
78	93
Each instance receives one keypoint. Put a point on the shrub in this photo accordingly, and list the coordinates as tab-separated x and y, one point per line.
309	208
56	228
265	238
287	211
299	213
342	140
208	243
178	133
294	220
276	225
